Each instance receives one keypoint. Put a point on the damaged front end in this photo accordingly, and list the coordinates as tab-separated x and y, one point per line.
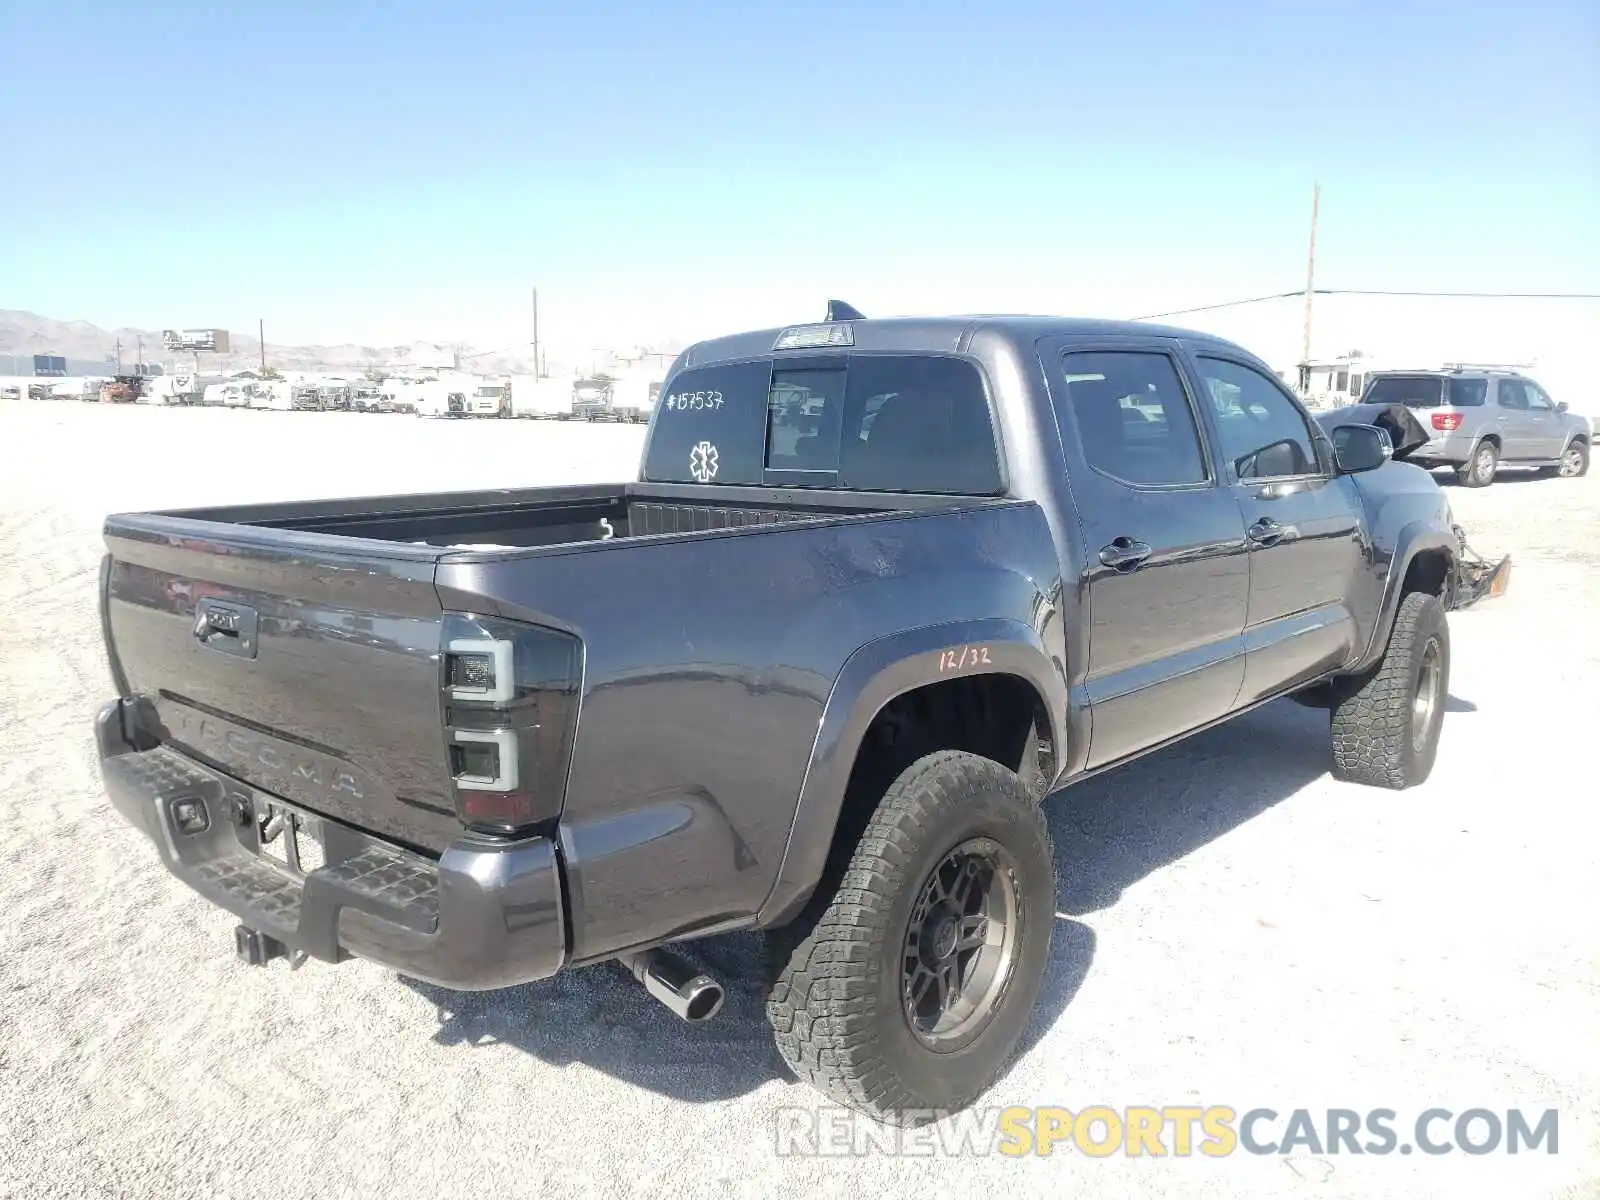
1475	577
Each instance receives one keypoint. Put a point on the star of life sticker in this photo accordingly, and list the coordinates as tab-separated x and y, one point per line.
703	462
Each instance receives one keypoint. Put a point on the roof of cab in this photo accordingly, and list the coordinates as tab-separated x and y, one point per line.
937	334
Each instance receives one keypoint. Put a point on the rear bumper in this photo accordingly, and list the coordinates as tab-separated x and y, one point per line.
1444	450
484	915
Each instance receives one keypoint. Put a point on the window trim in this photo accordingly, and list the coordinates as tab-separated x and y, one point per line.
1207	461
1313	431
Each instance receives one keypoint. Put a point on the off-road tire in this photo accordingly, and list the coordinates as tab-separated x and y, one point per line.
1374	739
1479	470
835	999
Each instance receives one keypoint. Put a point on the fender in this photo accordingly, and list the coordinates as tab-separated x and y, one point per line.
870	678
1414	538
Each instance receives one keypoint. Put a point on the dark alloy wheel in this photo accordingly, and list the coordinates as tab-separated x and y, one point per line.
960	943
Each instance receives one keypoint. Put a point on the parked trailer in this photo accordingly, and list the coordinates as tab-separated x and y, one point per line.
273	395
541	399
634	395
233	394
85	388
591	400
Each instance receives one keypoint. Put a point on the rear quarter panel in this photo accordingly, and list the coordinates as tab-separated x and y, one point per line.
709	662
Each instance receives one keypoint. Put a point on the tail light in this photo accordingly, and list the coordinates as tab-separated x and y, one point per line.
510	701
1447	422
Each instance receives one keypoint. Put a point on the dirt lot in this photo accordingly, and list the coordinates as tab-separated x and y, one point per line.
1234	928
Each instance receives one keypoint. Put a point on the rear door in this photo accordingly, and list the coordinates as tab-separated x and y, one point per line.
304	664
1167	573
1302	522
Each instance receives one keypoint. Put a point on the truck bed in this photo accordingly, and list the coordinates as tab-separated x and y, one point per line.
537	517
329	696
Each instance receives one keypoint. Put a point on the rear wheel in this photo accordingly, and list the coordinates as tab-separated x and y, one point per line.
905	994
1386	723
1478	471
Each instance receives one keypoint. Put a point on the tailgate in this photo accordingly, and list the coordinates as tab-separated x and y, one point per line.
304	664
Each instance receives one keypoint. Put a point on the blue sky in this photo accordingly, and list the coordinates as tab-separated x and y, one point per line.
377	172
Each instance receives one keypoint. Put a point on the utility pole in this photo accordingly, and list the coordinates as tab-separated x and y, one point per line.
1311	276
538	363
119	356
261	337
139	343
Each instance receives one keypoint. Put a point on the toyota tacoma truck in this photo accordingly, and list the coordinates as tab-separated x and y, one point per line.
879	588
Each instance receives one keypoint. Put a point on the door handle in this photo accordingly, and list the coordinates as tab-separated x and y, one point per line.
1265	532
1124	553
229	628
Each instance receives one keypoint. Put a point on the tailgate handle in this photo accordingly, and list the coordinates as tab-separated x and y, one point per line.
229	628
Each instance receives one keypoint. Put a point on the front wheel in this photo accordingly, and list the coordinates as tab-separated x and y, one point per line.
1574	461
1386	723
906	995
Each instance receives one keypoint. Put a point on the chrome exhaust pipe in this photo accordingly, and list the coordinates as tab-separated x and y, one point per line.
677	983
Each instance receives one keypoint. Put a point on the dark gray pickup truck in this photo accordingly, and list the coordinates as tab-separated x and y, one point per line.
880	587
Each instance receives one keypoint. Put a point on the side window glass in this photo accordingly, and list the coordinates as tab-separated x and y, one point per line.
1468	393
1537	400
1510	394
1263	433
1133	417
917	424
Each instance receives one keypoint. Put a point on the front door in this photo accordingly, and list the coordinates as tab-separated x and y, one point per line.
1547	432
1303	523
1518	435
1167	573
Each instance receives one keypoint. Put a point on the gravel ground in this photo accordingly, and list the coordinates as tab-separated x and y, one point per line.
1234	928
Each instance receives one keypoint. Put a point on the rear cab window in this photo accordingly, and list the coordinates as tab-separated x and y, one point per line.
916	423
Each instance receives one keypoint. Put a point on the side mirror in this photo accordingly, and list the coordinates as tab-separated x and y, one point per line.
1561	406
1358	448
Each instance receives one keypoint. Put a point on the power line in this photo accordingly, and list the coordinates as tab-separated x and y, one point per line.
1467	295
1179	312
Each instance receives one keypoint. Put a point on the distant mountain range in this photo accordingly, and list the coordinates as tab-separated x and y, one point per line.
90	349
